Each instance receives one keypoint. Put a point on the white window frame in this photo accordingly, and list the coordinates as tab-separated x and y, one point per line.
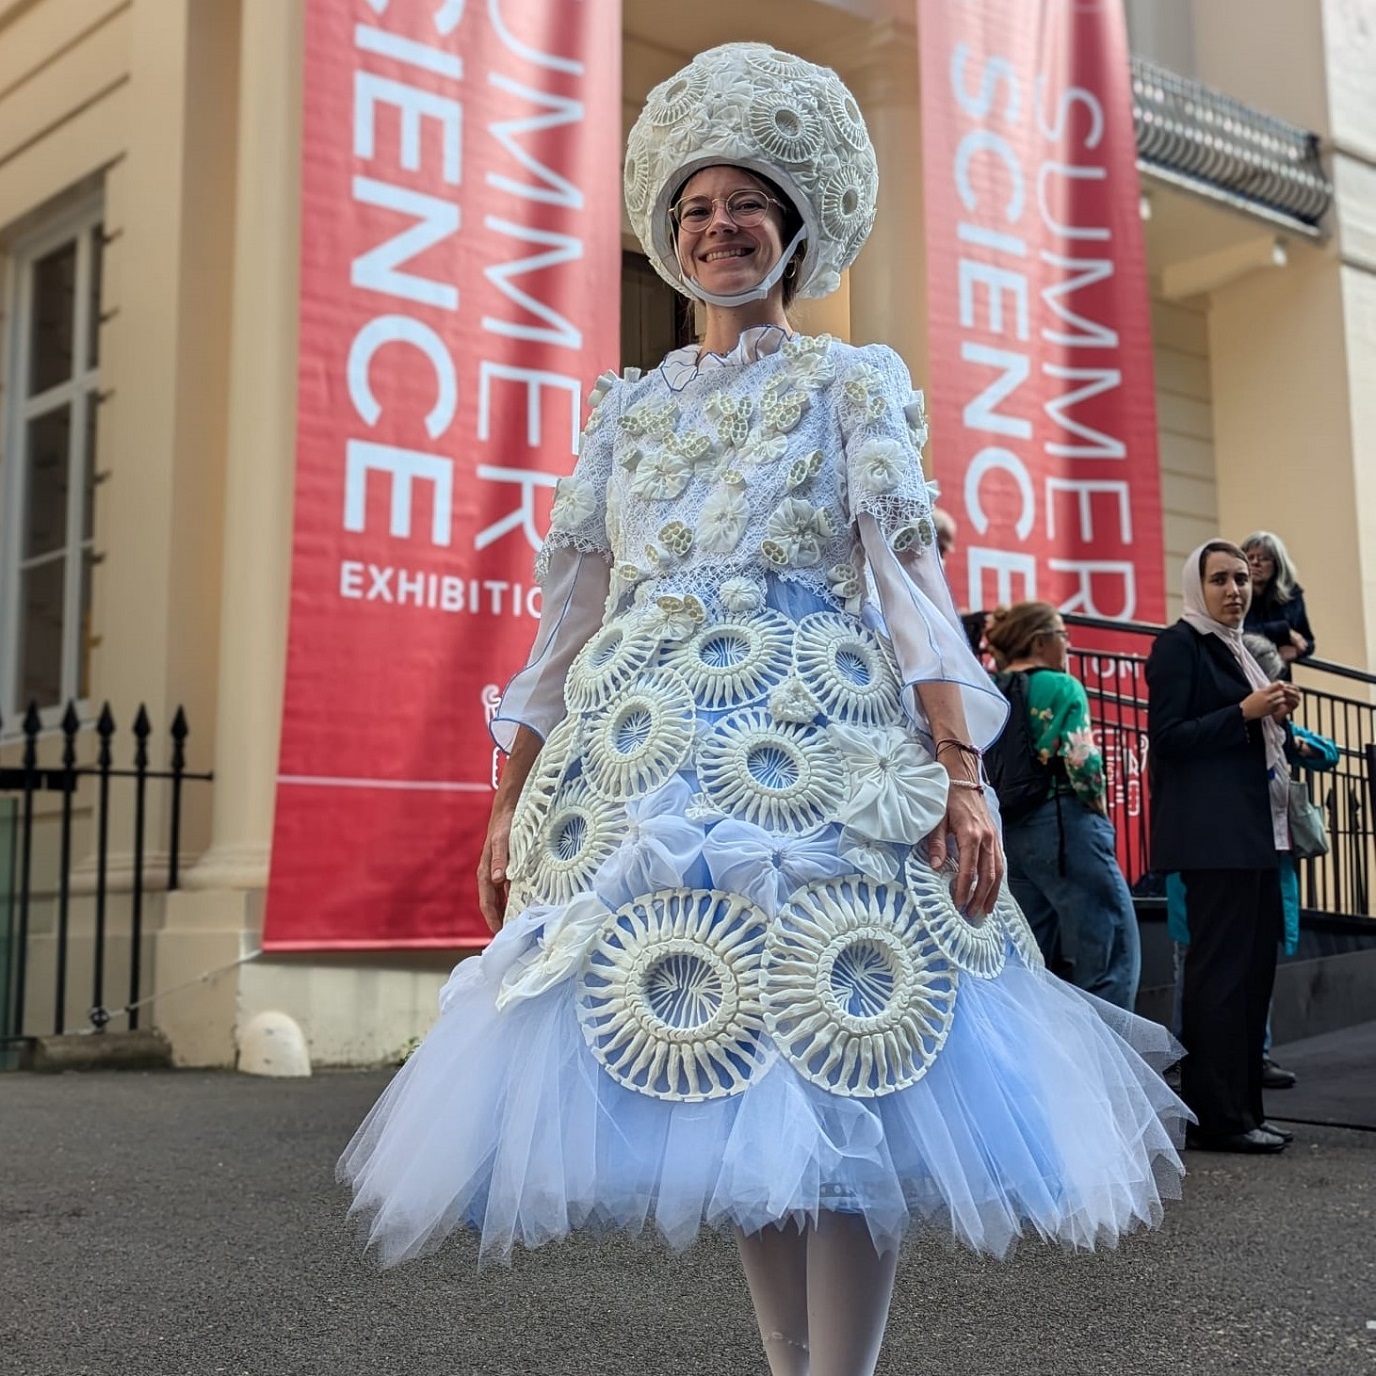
77	221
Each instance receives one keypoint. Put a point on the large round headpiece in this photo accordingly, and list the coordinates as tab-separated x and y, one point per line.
752	106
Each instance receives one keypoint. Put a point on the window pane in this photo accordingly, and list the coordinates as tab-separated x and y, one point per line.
40	637
88	515
93	327
83	651
54	302
45	483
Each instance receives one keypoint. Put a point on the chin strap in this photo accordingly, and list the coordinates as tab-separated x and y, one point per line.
756	293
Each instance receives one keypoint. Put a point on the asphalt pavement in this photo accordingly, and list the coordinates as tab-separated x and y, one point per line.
188	1224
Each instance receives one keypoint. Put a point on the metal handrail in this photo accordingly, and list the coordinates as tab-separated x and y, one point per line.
1190	133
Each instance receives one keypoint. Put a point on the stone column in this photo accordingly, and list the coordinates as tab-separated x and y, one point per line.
256	565
888	291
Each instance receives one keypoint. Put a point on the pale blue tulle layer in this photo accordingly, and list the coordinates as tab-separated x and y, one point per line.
1038	1118
1043	1115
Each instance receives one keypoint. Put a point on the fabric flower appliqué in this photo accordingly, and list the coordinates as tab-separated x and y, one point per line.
897	792
877	859
660	846
725	515
812	370
878	467
574	503
796	532
564	939
676	618
741	595
660	475
764	866
761	449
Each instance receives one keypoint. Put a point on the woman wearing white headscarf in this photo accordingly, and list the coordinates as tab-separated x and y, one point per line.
1219	790
754	964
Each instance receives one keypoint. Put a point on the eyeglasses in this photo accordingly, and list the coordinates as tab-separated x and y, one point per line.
744	208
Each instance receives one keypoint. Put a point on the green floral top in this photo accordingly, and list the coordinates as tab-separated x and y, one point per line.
1060	726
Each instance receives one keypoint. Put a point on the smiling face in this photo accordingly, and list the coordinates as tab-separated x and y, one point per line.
724	257
1227	588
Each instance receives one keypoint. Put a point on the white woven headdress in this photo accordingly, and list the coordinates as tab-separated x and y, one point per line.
752	106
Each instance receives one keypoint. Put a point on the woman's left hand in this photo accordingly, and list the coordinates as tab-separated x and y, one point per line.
970	827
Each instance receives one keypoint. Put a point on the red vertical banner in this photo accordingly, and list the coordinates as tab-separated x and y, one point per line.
1042	398
460	270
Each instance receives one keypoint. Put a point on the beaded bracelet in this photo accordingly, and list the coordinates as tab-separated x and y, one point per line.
973	785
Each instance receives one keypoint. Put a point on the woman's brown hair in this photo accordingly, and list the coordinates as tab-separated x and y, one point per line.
1218	547
1013	630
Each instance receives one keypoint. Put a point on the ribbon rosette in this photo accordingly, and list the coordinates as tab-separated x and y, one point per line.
897	792
563	939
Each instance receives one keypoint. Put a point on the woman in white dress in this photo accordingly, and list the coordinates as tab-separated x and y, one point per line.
755	965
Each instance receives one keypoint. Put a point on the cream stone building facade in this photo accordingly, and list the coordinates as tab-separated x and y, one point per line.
149	190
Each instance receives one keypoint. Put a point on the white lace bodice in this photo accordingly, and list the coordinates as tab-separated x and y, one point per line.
701	478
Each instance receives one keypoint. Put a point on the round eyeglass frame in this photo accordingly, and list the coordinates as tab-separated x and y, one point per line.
676	210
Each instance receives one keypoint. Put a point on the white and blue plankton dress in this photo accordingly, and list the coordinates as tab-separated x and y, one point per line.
730	989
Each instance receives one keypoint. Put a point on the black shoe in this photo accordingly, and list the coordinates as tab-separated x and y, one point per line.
1276	1130
1253	1143
1275	1076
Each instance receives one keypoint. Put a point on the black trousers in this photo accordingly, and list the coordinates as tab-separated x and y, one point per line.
1235	922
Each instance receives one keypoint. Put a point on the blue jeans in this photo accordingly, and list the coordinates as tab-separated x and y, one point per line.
1087	911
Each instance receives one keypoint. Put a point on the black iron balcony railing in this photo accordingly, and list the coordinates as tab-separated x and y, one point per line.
1202	139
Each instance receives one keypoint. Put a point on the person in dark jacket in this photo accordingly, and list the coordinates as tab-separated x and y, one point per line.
1219	776
1277	611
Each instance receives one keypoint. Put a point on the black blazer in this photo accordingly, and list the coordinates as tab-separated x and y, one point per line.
1210	805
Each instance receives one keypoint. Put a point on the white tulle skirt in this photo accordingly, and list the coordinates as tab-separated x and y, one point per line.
724	1001
1042	1115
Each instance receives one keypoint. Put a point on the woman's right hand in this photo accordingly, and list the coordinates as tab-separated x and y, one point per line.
1275	700
493	885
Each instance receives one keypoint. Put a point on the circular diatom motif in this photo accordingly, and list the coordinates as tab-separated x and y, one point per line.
978	950
1018	929
533	806
669	995
857	995
846	118
733	662
606	665
783	776
580	832
677	98
641	738
847	669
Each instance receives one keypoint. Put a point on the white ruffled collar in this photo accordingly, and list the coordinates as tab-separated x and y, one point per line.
683	365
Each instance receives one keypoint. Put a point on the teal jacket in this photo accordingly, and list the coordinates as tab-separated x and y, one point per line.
1325	756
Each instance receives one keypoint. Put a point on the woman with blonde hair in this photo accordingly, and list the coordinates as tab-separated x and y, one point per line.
1060	846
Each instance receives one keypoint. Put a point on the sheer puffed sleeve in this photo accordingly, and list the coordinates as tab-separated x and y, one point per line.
574	572
883	429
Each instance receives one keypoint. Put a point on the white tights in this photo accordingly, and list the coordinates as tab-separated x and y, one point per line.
821	1295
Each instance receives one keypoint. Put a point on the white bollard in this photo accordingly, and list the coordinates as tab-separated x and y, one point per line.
273	1044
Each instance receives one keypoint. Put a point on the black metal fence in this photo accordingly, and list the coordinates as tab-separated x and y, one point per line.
28	787
1339	883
